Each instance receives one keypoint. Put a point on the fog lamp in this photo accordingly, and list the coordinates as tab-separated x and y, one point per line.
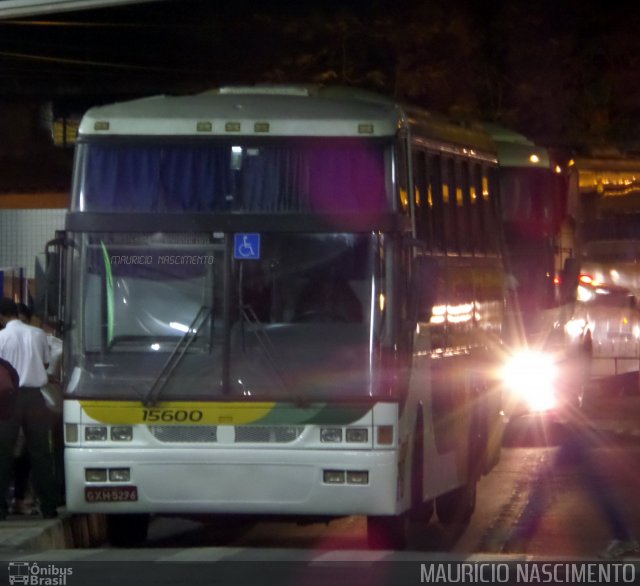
119	474
333	476
357	477
95	474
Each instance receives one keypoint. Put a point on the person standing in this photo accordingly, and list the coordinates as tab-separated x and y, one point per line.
26	348
22	493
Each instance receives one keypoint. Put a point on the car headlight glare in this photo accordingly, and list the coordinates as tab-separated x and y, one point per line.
532	376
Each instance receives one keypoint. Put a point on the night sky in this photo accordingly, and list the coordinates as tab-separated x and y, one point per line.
563	72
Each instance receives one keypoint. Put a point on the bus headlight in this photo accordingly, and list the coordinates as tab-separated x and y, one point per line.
122	433
357	435
531	377
95	433
331	435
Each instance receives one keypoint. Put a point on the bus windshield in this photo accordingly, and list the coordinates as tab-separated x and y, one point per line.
273	175
533	201
298	322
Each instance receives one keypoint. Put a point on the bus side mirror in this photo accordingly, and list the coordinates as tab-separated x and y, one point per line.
424	285
49	279
569	280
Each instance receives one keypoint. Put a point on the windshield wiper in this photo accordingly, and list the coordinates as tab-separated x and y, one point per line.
264	340
152	395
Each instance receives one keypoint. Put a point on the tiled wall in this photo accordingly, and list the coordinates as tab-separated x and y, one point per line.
24	233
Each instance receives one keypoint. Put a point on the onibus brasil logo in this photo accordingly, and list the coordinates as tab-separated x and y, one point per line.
37	574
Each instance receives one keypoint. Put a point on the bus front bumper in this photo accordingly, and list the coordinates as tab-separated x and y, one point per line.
254	481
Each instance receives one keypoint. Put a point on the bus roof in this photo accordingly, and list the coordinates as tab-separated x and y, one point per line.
516	150
248	111
276	110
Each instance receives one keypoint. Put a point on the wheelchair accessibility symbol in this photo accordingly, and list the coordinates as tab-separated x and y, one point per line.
246	246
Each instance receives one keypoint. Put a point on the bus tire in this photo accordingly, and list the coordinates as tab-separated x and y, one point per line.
127	530
456	506
388	532
421	511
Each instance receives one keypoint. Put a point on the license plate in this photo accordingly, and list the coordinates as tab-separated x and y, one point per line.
110	494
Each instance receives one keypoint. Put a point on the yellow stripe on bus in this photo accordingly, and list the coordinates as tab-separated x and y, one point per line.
176	413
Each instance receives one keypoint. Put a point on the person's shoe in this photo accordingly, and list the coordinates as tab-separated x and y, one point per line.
618	548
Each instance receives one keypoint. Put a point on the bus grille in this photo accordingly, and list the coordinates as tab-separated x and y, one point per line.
265	434
185	434
249	434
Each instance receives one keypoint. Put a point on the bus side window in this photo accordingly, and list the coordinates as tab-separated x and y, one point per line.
402	175
488	204
450	207
463	201
477	211
434	197
421	198
496	207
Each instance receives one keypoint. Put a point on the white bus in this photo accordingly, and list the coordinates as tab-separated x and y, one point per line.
548	370
280	300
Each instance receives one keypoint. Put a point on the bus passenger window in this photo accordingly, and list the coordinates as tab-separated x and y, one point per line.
490	221
476	212
421	198
401	163
450	207
464	208
434	197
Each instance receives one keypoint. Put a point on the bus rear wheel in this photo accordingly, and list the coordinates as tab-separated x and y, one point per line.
127	530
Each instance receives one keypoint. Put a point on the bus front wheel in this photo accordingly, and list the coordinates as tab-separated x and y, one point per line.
388	532
457	506
127	530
